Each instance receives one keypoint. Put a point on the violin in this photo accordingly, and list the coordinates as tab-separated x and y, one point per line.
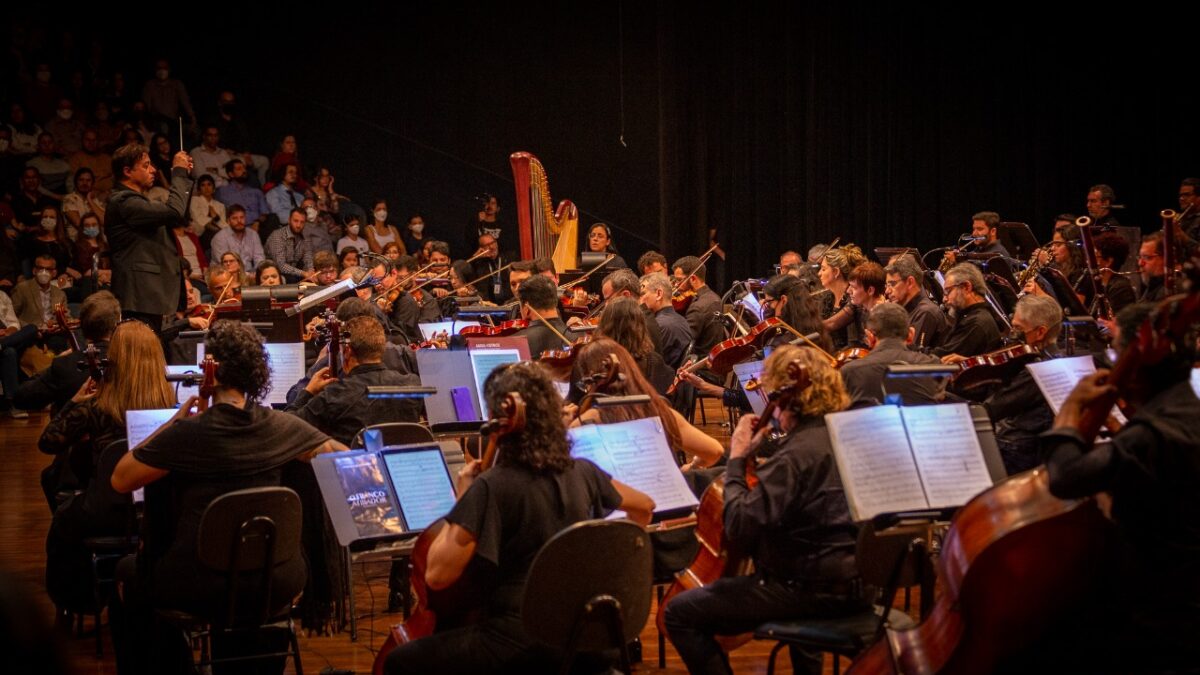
563	358
992	368
64	326
438	340
681	301
504	329
728	353
597	383
208	385
716	558
849	354
459	603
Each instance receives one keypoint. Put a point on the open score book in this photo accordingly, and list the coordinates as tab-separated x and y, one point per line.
894	458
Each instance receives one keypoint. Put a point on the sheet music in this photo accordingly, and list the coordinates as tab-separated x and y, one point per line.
746	371
483	362
637	454
183	392
1057	377
947	451
875	461
1196	380
139	424
287	368
422	485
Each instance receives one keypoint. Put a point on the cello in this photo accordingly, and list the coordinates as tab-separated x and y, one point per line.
1016	559
460	602
715	557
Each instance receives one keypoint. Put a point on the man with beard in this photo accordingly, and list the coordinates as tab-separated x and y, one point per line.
236	191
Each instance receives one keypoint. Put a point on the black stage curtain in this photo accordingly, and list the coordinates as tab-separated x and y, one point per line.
783	125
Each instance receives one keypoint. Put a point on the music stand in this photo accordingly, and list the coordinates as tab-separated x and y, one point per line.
1018	239
1063	292
885	253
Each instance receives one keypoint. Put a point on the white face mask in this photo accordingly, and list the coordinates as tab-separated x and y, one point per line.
417	227
65	113
381	215
162	73
311	213
42	276
48	224
353	229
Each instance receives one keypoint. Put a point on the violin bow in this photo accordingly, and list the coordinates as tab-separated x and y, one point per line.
552	328
703	259
213	311
810	343
572	284
489	274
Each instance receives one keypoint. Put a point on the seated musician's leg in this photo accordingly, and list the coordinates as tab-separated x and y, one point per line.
488	646
731	606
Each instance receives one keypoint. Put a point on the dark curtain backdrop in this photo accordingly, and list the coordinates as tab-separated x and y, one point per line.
779	124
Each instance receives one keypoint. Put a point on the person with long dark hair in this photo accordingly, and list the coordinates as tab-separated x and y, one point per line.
503	517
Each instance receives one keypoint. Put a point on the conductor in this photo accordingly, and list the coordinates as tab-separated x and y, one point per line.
146	274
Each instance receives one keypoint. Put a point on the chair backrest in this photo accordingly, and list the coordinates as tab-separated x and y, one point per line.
250	529
589	559
397	433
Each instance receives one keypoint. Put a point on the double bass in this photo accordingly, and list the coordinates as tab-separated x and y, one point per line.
1017	560
715	557
459	603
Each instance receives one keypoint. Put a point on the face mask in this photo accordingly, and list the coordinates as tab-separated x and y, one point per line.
43	76
353	229
381	215
162	73
3	144
311	213
65	113
48	224
91	232
417	228
43	277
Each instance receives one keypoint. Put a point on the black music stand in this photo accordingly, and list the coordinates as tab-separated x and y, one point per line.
885	253
1018	239
1063	292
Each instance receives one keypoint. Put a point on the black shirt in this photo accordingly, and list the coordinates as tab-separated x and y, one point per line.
220	450
1019	413
931	323
796	520
57	384
543	339
342	408
1154	290
704	317
974	332
865	377
676	335
512	511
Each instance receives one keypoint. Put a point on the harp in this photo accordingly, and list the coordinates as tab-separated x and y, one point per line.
544	231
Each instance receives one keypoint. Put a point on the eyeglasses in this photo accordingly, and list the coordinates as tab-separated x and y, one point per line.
228	261
892	284
951	287
1152	256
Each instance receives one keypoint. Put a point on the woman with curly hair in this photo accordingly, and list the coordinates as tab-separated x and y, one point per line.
503	517
235	444
835	278
795	523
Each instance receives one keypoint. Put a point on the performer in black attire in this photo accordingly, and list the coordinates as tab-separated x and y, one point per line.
974	331
98	316
1018	409
655	294
1152	265
1150	614
338	405
1111	253
146	276
984	224
1099	206
503	517
889	336
795	522
187	463
905	287
704	312
539	298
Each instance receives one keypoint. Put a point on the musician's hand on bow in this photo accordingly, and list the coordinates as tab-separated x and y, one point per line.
198	323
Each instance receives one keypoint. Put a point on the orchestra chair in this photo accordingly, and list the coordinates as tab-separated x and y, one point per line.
886	560
245	534
394	433
577	601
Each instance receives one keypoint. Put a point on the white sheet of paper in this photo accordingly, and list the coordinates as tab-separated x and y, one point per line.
1196	380
287	368
428	330
746	371
875	462
948	454
637	454
483	362
138	425
1057	377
